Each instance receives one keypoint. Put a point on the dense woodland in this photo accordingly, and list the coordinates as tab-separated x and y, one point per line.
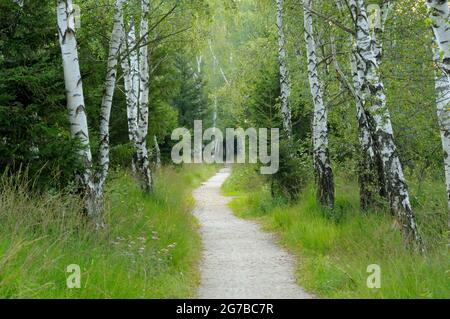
90	92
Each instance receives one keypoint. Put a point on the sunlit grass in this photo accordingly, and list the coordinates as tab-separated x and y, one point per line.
333	253
149	249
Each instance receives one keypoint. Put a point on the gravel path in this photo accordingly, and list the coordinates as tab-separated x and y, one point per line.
239	260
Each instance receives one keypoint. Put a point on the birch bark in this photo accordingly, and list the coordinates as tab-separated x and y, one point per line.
143	161
378	28
439	15
110	84
377	44
93	188
135	66
216	63
130	68
284	74
135	84
75	98
367	177
125	65
370	171
322	163
157	152
374	104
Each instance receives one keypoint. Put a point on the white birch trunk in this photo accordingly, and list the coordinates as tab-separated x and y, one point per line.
130	67
134	69
157	152
143	161
75	98
443	110
110	85
367	174
374	103
136	78
370	171
284	74
144	71
216	63
439	14
135	84
322	163
75	101
378	29
126	70
224	76
214	129
199	64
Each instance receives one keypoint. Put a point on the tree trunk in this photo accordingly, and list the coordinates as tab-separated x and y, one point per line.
216	63
216	141
157	152
443	110
93	188
322	163
110	85
130	67
374	104
439	14
377	47
378	29
143	162
284	74
372	178
136	78
367	171
75	100
367	168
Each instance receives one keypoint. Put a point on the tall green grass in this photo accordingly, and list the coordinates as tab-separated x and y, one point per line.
334	251
149	249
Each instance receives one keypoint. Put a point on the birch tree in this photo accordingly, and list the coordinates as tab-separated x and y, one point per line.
130	68
216	63
379	18
143	162
110	85
374	104
157	152
322	163
136	70
370	166
439	16
284	74
368	172
75	98
91	184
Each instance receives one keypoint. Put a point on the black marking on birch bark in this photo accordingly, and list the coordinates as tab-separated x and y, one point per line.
324	181
373	105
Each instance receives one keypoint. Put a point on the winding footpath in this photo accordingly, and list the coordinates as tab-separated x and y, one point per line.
239	260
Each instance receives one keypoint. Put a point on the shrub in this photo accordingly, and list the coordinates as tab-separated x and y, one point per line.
121	155
293	174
